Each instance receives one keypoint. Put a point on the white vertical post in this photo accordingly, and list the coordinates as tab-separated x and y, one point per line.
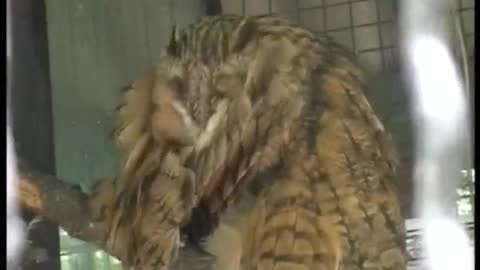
441	131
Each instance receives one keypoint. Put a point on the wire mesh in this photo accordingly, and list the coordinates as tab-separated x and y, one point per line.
367	27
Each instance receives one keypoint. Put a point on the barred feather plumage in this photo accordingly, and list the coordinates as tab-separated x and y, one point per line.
258	108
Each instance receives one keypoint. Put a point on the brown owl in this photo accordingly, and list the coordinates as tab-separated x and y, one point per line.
288	156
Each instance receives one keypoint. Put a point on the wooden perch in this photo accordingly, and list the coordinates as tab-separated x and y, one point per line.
74	211
60	203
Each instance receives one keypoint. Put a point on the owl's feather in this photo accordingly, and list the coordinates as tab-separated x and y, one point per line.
259	109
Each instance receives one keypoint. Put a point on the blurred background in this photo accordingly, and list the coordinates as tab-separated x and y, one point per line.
83	51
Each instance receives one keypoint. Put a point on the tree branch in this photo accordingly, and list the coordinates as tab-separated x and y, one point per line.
74	211
60	203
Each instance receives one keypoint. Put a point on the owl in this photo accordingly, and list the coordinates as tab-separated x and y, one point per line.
283	162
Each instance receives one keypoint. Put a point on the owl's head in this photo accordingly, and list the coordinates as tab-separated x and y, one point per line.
157	105
171	118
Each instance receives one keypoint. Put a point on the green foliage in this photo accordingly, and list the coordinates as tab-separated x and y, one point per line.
466	195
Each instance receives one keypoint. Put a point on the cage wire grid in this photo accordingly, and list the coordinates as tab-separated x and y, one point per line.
366	27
